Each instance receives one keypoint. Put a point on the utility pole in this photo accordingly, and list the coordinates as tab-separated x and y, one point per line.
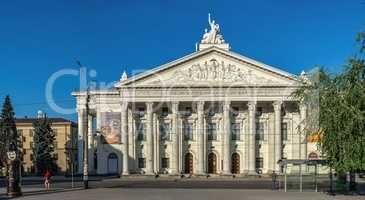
86	137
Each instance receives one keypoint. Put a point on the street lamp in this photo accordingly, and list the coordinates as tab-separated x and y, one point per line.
13	172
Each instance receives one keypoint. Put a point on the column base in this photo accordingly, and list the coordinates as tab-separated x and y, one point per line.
125	173
149	173
200	174
226	173
174	172
252	173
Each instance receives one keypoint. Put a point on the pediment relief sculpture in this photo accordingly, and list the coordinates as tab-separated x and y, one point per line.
215	71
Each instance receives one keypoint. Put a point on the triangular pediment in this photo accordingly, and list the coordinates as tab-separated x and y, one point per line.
211	67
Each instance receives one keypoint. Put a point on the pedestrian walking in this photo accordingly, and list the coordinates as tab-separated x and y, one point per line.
47	179
274	178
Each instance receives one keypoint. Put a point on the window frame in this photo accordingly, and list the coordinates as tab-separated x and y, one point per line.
260	131
188	131
212	131
141	131
259	161
234	127
284	131
141	163
165	162
165	128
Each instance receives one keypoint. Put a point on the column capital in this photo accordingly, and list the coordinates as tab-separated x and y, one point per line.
174	106
80	110
200	105
252	105
226	105
302	106
124	105
149	105
277	105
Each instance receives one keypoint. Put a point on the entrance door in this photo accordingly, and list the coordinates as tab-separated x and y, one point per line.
189	167
212	163
235	163
112	164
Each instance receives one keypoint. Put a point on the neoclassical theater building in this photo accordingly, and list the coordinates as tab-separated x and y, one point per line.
213	111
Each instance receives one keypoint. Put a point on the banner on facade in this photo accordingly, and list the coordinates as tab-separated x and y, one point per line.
110	127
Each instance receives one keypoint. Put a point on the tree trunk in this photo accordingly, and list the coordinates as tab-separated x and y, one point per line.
352	181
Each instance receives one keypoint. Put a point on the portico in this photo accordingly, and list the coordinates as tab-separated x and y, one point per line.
212	111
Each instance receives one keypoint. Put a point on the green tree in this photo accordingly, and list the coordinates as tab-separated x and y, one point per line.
43	149
337	112
9	138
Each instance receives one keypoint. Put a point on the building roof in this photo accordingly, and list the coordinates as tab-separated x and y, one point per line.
203	52
52	119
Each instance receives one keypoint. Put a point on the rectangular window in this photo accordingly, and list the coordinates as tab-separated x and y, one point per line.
141	163
235	131
141	132
259	162
212	131
284	131
260	131
165	162
31	133
55	145
24	139
31	157
188	131
165	131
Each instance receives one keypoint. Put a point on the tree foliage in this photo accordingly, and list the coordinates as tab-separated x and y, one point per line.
43	149
337	112
9	138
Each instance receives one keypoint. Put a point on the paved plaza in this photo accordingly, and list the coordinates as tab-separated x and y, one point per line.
177	194
109	188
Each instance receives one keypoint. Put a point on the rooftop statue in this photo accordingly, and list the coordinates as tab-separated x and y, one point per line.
213	36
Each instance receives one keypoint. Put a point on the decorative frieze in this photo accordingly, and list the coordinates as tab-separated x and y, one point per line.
209	92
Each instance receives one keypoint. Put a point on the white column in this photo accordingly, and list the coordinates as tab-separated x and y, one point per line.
278	140
252	138
90	135
181	138
175	133
124	132
149	133
226	138
200	138
156	144
80	144
98	142
303	136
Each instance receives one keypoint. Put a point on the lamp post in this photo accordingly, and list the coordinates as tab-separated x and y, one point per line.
85	135
86	142
13	173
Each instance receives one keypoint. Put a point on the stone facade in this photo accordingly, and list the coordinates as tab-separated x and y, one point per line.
211	112
65	152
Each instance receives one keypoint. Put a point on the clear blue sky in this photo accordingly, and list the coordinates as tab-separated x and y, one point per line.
38	38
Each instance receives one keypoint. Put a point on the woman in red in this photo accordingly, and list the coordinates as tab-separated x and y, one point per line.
47	179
